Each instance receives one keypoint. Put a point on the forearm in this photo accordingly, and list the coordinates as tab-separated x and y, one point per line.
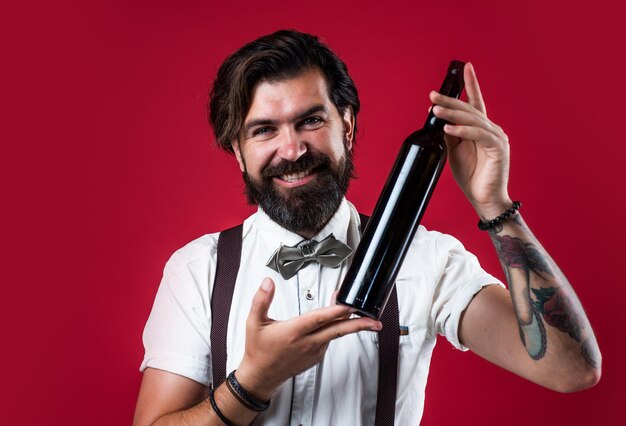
553	326
203	413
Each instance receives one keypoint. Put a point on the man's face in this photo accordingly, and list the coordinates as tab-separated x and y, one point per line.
294	152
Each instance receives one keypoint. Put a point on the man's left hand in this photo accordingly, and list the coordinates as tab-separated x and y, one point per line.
478	149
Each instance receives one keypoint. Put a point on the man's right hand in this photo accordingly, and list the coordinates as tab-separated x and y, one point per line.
278	350
275	351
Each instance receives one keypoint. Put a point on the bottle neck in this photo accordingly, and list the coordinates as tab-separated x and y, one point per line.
434	123
452	86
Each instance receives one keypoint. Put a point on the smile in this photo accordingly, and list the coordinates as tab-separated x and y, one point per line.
295	177
292	180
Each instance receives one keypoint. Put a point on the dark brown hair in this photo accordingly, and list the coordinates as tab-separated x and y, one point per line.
275	57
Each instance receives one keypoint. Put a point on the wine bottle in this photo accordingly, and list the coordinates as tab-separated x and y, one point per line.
392	226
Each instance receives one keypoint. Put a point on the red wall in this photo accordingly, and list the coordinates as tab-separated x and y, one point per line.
108	167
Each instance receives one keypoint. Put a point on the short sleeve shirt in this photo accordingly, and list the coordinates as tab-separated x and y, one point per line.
435	284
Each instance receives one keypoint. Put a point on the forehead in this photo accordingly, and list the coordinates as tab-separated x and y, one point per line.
282	99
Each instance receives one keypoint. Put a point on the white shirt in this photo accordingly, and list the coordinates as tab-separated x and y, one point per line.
435	284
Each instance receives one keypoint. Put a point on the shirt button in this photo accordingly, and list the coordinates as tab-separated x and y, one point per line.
309	295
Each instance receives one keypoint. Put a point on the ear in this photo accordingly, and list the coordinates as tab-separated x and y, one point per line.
235	144
348	126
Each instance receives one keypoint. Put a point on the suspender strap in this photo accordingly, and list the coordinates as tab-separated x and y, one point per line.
228	259
388	342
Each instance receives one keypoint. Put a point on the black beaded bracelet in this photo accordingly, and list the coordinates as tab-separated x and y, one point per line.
485	226
217	410
243	395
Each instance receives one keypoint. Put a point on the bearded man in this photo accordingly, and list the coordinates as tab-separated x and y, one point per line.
287	108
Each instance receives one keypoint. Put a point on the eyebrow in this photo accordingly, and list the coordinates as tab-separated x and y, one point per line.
268	122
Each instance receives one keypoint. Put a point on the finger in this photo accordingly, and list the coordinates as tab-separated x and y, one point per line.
478	134
261	301
342	328
449	102
319	318
473	118
474	95
463	117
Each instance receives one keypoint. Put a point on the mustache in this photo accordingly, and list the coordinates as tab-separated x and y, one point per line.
307	161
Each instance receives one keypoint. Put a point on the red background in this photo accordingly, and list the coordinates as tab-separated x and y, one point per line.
108	167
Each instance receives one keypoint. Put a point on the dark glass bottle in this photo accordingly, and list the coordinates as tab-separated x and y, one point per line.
398	212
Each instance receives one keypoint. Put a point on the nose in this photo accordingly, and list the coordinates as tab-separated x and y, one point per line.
291	145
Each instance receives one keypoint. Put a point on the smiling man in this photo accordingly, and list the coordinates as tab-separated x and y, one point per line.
286	107
295	152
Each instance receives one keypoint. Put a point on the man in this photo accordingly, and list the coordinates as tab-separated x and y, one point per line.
287	108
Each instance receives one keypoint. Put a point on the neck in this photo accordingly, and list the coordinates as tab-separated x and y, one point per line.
307	234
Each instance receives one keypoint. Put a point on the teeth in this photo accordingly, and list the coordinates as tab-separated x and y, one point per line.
293	177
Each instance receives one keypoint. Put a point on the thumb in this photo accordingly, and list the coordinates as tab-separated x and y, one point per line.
262	300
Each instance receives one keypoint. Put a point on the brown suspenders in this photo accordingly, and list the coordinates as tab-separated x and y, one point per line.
228	259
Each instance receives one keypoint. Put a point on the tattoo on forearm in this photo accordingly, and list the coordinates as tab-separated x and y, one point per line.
515	253
556	310
537	342
535	307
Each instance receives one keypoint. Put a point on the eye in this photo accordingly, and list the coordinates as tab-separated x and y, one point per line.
262	131
311	121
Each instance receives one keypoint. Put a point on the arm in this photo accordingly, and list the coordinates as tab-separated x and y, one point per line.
169	399
538	329
275	351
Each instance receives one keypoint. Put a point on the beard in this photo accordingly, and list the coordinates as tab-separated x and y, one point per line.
306	208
